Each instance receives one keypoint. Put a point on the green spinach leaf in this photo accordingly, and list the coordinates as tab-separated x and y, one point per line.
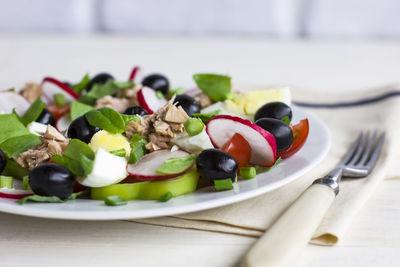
176	165
106	119
98	91
82	84
14	136
205	117
51	199
78	109
217	87
78	158
33	112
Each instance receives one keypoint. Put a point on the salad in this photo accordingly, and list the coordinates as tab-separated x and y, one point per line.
118	141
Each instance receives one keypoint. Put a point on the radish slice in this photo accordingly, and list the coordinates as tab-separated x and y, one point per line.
146	168
134	72
53	86
16	193
148	100
263	146
63	122
11	100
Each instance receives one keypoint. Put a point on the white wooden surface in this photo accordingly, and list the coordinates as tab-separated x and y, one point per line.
372	240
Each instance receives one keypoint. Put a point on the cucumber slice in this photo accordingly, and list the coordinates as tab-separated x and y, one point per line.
181	185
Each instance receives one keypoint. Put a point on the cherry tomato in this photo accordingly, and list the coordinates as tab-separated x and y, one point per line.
300	133
239	149
58	111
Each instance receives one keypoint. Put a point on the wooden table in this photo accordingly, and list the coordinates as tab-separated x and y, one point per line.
372	240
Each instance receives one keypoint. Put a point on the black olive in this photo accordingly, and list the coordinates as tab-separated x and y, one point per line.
46	117
100	78
81	129
280	130
274	110
157	82
215	164
50	179
188	104
3	161
135	110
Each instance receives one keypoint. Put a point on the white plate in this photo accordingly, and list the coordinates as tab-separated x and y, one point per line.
288	170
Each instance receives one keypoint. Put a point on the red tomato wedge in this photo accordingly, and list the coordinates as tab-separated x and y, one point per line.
300	133
239	148
58	111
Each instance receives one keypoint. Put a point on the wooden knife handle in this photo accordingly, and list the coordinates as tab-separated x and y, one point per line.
292	231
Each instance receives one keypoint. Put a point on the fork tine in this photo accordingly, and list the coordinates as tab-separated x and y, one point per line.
370	145
376	152
360	149
350	152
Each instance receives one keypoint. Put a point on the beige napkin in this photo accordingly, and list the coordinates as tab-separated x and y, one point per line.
252	217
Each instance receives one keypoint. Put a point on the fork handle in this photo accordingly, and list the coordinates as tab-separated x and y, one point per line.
293	229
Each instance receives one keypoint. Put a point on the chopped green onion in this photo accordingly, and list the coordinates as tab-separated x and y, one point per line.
25	183
159	95
11	89
114	201
286	120
248	172
230	96
120	152
60	100
6	182
194	126
166	197
225	184
177	91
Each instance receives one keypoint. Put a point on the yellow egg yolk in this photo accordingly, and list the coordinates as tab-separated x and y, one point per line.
109	142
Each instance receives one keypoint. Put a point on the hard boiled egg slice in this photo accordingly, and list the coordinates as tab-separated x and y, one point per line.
225	110
249	103
196	143
107	169
37	128
109	142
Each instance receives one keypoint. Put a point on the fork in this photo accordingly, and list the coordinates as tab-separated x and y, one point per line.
294	228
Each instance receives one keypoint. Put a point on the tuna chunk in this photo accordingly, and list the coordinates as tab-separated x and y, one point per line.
118	104
203	100
31	91
53	142
161	127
